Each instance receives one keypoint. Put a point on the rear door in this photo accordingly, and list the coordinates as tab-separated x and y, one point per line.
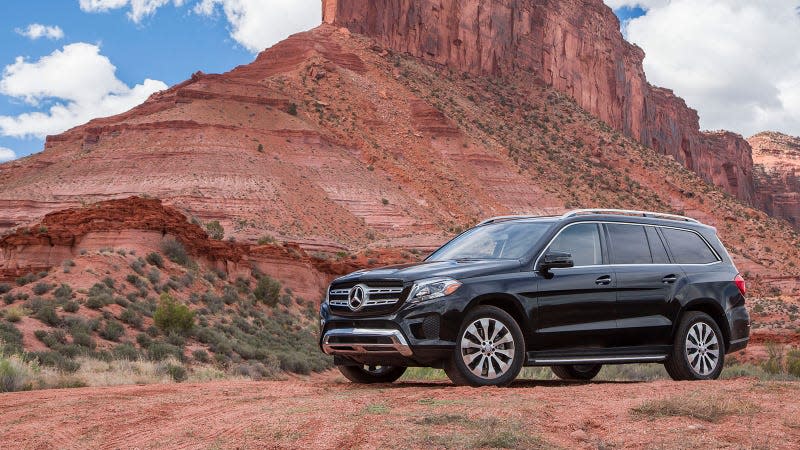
576	305
646	283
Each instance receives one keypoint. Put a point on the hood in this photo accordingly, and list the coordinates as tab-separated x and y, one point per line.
457	269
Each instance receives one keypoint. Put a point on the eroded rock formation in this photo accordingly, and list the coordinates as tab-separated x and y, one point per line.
777	174
574	46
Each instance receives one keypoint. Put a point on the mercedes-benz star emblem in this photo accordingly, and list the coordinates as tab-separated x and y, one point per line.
358	297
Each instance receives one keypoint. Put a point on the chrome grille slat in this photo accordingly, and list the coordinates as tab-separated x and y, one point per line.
386	296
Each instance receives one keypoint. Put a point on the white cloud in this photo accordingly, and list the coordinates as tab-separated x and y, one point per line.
258	24
735	61
77	83
139	9
6	154
37	30
645	4
255	24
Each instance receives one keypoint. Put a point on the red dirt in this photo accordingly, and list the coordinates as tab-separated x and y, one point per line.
324	412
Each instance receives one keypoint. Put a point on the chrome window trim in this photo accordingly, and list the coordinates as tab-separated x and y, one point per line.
549	243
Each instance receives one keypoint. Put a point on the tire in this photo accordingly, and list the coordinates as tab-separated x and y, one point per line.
698	352
489	351
377	374
577	372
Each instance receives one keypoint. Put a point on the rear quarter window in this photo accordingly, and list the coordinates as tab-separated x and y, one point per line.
688	247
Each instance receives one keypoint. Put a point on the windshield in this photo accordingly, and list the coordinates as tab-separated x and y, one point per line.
505	240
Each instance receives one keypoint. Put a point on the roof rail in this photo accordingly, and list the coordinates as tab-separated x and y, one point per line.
625	212
505	218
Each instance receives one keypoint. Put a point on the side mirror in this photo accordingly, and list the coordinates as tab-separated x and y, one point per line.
556	260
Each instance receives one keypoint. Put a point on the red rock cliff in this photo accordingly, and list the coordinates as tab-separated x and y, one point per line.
777	174
573	45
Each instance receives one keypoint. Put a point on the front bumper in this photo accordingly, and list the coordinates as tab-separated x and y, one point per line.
364	341
418	334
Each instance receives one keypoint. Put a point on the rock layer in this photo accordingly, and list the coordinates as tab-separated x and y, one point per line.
777	174
574	46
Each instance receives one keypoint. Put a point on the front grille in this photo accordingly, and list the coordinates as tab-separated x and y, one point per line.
381	296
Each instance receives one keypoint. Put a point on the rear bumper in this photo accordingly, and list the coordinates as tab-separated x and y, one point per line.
739	331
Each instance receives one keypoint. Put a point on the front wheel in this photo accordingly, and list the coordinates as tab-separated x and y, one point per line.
577	372
372	374
489	351
698	352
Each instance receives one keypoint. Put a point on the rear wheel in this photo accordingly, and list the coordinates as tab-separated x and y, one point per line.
698	352
584	372
372	374
489	351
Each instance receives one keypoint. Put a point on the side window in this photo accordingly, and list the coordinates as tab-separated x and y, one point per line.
656	246
688	248
582	241
628	244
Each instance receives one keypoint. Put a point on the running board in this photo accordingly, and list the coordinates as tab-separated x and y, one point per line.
595	360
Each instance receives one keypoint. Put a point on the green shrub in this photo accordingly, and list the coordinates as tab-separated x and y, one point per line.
63	293
71	306
54	359
125	351
177	372
268	291
159	351
10	339
9	298
132	318
83	339
201	356
14	313
112	331
230	295
99	296
4	288
144	340
14	375
138	266
292	109
176	252
171	316
47	315
793	363
42	288
215	230
774	362
108	281
154	276
27	279
156	260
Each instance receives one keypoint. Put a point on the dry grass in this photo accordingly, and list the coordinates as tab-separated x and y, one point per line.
709	408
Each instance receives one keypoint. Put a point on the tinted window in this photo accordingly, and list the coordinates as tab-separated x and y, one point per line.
505	240
582	241
687	247
629	244
656	246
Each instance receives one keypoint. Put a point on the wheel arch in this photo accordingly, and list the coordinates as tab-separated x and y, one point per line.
509	304
713	309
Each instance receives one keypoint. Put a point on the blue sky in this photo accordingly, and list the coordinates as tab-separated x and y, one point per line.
105	56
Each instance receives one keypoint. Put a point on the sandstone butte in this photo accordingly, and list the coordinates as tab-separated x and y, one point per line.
396	124
777	174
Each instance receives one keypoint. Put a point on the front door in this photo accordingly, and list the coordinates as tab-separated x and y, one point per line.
576	306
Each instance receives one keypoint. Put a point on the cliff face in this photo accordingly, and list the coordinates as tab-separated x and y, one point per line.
777	174
574	46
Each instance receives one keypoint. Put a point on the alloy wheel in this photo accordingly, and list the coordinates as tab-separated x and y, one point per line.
487	348
702	348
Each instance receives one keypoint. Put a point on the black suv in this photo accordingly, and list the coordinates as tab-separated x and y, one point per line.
573	292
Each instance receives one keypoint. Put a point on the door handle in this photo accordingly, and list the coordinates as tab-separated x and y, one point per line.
669	279
603	281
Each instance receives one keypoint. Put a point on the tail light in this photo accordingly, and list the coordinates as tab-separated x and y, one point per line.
740	284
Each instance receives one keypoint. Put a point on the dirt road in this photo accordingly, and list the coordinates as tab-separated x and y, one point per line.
326	412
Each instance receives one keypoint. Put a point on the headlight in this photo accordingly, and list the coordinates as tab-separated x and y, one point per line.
433	288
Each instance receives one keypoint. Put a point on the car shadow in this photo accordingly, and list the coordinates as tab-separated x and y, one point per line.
517	384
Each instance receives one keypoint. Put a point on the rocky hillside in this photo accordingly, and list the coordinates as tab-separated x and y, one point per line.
777	168
331	141
576	47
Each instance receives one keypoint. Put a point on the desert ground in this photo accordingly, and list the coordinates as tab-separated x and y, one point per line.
324	411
